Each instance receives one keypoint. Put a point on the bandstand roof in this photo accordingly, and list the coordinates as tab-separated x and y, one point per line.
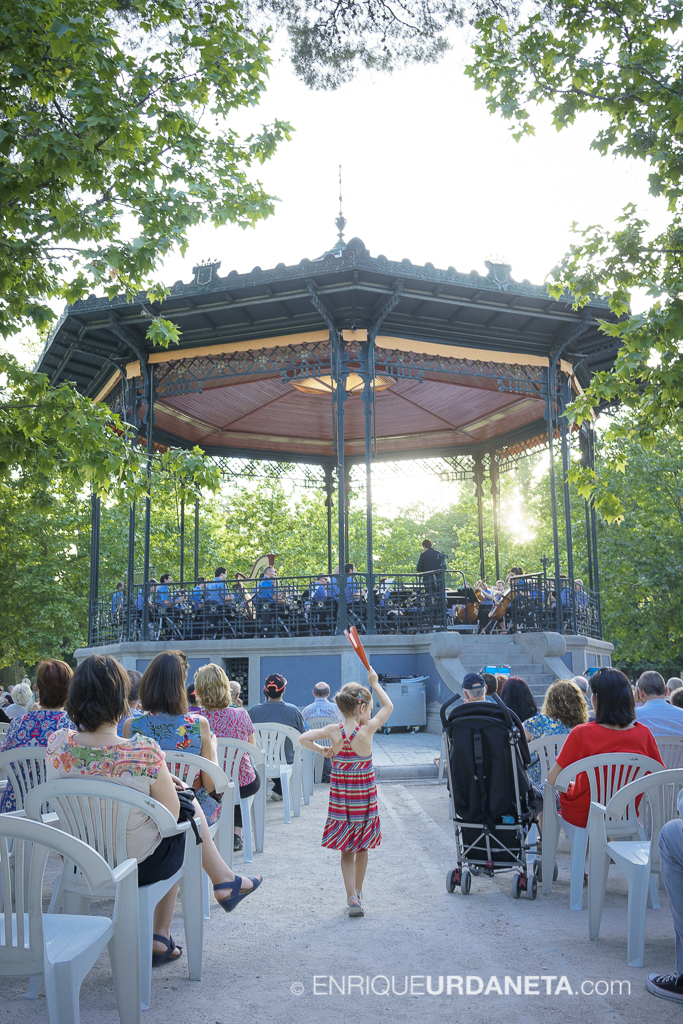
466	356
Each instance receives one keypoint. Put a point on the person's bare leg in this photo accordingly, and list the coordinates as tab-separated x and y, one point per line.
348	868
163	915
361	868
212	862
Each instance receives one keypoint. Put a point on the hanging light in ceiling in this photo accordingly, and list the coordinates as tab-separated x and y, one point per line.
324	385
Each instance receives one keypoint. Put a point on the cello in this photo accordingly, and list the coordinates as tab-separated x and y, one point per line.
470	610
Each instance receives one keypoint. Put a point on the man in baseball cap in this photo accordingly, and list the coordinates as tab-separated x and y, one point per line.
277	711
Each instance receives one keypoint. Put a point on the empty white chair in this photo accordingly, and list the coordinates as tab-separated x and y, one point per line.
63	947
97	813
317	759
271	738
186	767
636	859
230	753
606	773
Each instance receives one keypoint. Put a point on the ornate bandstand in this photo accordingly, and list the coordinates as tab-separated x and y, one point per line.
344	361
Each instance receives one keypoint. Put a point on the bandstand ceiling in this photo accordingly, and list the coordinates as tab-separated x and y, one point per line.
466	356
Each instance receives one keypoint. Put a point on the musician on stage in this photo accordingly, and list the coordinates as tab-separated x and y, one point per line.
325	588
485	603
117	599
266	588
217	591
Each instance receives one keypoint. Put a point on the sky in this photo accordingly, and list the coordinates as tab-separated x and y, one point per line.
428	174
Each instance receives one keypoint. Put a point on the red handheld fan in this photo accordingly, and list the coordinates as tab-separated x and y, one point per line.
352	636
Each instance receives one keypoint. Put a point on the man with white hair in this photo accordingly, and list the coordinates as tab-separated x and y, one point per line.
674	683
323	707
584	686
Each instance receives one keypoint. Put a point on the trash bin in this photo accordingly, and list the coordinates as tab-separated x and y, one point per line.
409	696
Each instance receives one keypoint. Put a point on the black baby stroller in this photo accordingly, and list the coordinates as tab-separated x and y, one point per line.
494	803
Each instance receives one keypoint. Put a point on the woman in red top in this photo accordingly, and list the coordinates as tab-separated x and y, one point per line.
614	731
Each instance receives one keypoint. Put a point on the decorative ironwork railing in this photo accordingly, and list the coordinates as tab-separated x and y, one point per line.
310	606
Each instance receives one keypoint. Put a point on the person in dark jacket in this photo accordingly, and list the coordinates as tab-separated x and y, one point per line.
430	559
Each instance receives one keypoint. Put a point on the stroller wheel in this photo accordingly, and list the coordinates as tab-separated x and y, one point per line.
516	886
452	880
532	889
466	882
538	869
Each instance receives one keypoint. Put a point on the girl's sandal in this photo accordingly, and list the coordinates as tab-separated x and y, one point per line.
355	909
235	887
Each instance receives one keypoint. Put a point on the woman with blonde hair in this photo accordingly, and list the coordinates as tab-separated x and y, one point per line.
563	708
228	721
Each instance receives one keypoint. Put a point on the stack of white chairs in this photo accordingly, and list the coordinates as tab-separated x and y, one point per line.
230	754
62	948
186	767
637	859
606	773
96	812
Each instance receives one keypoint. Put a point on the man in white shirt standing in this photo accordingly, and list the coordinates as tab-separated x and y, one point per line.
662	718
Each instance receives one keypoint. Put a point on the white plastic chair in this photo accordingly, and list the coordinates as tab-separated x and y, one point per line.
24	768
636	859
607	773
230	754
671	750
64	947
271	737
318	761
4	726
186	767
547	748
97	812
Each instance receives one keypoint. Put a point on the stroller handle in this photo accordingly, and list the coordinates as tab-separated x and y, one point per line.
451	700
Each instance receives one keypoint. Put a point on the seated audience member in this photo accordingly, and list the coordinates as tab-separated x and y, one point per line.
97	702
583	685
661	717
323	707
491	685
677	697
194	705
22	699
235	690
279	712
228	722
133	698
563	708
670	986
519	698
672	684
167	720
614	731
33	728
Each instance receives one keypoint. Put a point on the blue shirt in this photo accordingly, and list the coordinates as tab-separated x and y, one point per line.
196	597
322	708
216	591
352	590
162	594
661	718
117	602
265	589
325	590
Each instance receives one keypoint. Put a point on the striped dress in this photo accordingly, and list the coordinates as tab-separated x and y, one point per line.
352	818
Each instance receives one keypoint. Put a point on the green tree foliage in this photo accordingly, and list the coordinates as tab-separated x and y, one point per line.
624	62
111	145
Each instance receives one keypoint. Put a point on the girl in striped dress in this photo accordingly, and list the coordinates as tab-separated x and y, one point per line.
352	824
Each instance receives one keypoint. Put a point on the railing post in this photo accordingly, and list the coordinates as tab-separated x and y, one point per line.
550	397
339	384
329	490
182	541
95	507
196	539
564	439
130	612
494	475
148	502
368	409
479	491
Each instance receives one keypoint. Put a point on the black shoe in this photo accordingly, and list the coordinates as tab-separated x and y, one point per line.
237	843
668	986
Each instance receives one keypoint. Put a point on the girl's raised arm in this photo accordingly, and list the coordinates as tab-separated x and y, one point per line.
378	720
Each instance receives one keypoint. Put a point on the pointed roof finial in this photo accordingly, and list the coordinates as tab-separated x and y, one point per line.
340	221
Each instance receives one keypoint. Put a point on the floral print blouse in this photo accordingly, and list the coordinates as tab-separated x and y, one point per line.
29	730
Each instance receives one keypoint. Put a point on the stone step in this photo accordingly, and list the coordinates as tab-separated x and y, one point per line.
405	772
